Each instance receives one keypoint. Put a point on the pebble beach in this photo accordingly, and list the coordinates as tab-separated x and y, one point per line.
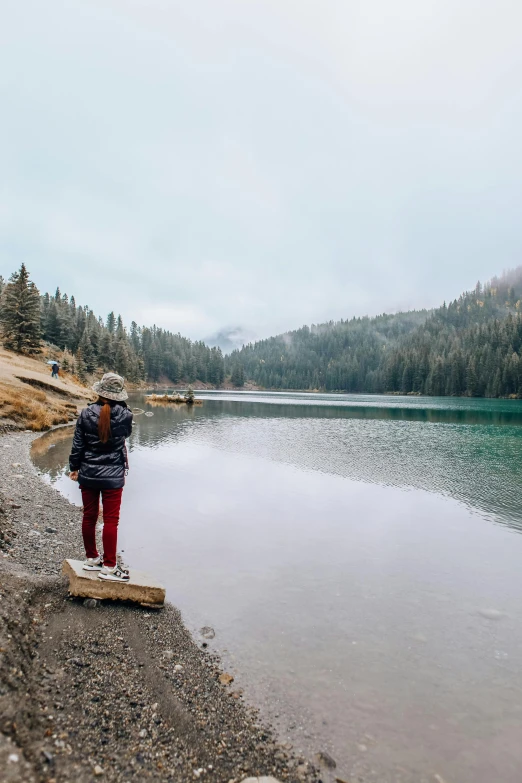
104	690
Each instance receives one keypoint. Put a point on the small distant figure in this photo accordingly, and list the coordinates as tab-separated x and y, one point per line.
54	370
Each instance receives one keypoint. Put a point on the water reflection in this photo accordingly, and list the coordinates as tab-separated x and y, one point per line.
470	451
460	452
452	410
347	558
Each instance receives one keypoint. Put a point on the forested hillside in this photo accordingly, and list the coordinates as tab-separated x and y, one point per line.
91	344
470	347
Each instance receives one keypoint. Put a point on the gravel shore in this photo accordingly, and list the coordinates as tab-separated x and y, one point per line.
111	692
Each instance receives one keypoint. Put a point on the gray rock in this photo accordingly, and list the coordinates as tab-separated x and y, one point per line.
141	588
90	603
207	632
263	779
50	530
326	760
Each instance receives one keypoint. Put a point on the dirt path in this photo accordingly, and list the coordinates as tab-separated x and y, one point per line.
30	398
113	692
13	366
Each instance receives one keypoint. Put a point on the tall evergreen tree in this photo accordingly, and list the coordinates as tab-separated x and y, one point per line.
111	323
106	350
52	324
87	353
80	365
20	313
238	376
122	357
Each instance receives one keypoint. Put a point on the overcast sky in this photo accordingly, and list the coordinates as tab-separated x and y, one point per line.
261	164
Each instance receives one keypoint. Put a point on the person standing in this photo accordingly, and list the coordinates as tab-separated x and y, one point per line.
54	370
98	461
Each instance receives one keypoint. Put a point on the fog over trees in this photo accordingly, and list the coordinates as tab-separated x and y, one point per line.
471	346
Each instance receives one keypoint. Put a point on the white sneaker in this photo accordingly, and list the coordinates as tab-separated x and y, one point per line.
93	563
116	574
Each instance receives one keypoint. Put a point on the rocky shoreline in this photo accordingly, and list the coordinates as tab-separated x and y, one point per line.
107	692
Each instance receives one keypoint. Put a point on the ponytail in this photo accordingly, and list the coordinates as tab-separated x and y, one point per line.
104	422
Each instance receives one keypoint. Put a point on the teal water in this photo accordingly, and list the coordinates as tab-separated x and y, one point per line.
359	558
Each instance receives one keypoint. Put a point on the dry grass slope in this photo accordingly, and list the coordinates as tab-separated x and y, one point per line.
30	399
32	409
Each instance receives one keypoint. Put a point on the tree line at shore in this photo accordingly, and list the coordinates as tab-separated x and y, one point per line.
89	343
470	347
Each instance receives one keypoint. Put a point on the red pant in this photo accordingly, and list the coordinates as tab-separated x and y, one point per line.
111	500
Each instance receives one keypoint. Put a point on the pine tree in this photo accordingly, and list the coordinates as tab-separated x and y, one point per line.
66	362
120	331
135	333
111	323
20	314
238	376
192	371
80	365
52	331
106	351
66	323
140	369
216	367
471	379
122	357
88	359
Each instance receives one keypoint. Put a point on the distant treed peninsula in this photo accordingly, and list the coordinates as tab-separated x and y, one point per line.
469	347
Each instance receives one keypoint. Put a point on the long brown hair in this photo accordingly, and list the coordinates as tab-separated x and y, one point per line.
104	422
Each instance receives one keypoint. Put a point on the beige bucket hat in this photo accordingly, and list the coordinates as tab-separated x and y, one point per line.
112	387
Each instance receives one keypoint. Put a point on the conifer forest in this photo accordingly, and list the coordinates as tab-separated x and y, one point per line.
91	343
469	347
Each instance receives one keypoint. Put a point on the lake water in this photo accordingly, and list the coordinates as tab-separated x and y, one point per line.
359	559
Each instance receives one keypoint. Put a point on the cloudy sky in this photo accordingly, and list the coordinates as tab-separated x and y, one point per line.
260	163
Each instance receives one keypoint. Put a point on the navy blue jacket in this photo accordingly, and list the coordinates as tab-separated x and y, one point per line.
101	465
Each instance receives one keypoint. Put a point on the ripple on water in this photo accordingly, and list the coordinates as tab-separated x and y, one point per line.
332	596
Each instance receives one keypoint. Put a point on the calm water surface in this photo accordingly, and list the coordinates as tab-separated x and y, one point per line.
359	559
